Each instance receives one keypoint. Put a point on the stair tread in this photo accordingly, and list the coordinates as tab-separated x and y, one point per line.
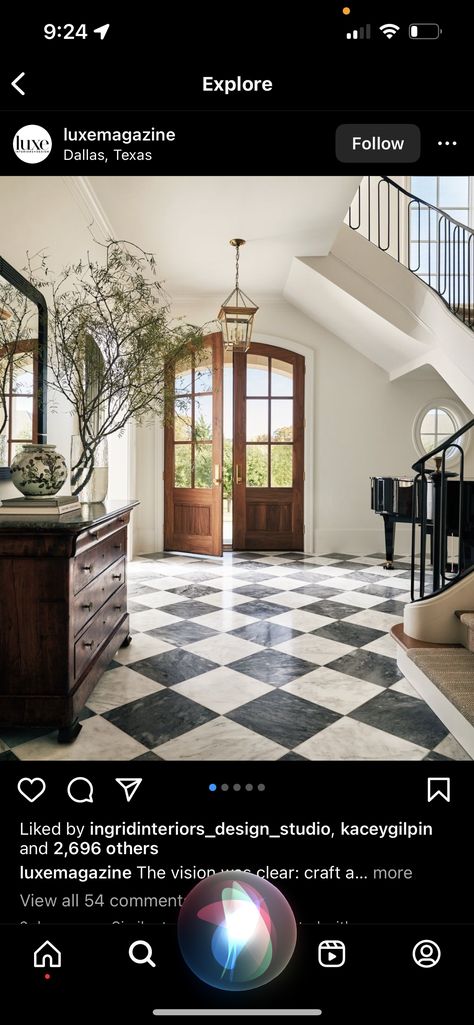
460	613
407	642
453	675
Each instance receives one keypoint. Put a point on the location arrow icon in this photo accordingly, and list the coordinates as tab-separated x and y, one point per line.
130	786
102	30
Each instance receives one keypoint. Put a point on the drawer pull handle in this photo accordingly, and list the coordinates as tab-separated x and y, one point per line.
118	607
88	644
94	534
121	519
88	607
116	576
87	569
117	546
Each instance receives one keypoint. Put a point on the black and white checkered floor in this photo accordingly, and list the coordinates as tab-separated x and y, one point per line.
256	656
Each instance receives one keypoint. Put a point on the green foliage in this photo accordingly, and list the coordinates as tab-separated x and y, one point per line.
114	343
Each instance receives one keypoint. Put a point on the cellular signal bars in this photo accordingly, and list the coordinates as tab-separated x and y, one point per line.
359	33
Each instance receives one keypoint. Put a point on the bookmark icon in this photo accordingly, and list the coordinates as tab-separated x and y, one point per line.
130	786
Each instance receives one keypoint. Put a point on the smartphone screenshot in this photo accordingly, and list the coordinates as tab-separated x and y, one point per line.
237	513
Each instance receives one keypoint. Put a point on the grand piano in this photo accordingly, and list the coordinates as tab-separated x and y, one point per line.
393	497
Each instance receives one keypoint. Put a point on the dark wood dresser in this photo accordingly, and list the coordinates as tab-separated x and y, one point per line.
63	612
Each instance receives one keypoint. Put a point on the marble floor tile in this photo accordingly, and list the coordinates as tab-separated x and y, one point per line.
160	599
347	633
374	619
173	666
334	609
117	687
225	620
225	648
151	619
159	717
193	590
273	666
255	590
222	689
404	687
178	633
403	716
187	608
224	599
363	601
394	608
344	583
315	649
383	645
301	619
98	741
317	591
260	609
333	690
347	740
221	740
291	599
450	748
265	633
283	718
367	665
142	646
381	590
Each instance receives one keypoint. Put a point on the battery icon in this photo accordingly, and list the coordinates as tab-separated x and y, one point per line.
428	30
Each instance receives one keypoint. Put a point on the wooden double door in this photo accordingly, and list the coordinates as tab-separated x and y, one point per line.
259	469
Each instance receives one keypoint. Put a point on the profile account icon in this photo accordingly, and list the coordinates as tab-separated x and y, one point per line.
426	953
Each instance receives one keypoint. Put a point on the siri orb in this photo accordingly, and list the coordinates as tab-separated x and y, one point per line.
236	931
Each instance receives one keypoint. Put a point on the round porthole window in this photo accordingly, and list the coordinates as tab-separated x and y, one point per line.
436	422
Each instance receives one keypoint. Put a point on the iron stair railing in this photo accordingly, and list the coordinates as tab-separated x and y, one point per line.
434	485
422	237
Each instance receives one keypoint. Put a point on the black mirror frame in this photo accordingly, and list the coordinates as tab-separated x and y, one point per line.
26	288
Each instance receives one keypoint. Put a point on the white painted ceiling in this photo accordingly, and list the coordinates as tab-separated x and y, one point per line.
188	221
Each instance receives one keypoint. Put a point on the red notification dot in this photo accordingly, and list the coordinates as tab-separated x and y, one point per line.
47	975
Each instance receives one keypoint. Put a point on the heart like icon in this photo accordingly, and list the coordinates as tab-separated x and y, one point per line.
31	789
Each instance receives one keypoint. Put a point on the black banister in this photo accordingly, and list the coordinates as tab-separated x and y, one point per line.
438	522
441	254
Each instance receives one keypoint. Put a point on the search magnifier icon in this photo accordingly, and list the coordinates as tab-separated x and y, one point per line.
146	948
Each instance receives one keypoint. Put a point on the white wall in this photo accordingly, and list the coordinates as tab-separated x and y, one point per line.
362	425
44	213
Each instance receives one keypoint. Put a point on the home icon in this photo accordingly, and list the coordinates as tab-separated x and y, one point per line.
47	956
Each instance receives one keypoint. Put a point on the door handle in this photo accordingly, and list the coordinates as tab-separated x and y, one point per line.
217	479
237	474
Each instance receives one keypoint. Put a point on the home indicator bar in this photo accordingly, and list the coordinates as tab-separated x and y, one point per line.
242	1011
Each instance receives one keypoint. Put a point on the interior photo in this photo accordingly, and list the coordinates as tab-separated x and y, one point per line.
236	471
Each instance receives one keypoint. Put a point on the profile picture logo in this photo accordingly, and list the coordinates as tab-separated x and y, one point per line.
32	144
236	931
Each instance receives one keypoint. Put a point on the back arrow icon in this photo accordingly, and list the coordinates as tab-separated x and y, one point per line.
15	84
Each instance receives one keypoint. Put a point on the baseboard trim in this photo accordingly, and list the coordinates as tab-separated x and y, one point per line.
360	542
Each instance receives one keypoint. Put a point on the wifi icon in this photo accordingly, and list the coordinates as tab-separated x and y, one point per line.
389	30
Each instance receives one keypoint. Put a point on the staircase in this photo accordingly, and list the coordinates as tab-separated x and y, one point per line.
401	301
425	239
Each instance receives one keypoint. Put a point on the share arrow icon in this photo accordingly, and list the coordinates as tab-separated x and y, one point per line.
130	786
